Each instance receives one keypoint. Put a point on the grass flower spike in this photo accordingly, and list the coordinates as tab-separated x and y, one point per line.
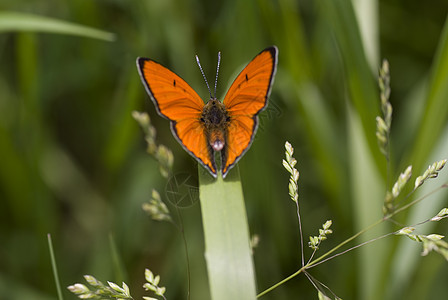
160	152
431	172
289	164
99	290
156	209
152	284
383	123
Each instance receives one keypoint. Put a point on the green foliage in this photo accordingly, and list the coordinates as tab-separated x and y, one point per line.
13	21
74	162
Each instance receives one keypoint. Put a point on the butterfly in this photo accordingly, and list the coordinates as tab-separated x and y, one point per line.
203	129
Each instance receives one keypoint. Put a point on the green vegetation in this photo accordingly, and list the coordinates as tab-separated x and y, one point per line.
75	166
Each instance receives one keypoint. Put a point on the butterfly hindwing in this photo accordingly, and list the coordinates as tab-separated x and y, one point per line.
191	135
246	98
239	137
178	102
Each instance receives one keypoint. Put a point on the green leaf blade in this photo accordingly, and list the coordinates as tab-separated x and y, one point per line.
228	254
13	21
435	114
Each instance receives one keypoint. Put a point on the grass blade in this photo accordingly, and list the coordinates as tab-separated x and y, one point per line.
361	82
227	251
12	21
435	114
367	189
367	15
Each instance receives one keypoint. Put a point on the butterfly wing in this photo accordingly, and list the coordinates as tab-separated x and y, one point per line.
246	98
178	102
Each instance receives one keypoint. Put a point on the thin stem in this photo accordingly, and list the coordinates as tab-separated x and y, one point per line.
311	279
367	242
312	265
314	281
319	258
388	166
404	207
301	234
314	252
55	269
302	269
325	257
345	242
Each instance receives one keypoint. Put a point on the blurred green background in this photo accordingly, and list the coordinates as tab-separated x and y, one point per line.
73	161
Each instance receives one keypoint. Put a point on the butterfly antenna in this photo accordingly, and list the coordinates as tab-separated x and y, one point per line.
203	75
217	71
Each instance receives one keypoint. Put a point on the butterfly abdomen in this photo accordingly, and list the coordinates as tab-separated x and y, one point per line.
215	120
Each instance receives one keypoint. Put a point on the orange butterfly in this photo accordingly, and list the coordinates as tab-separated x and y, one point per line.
202	129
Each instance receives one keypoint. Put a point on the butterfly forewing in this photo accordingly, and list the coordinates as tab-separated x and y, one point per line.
246	97
178	102
173	97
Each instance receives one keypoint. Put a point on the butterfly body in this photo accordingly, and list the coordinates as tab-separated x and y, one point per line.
215	120
202	129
